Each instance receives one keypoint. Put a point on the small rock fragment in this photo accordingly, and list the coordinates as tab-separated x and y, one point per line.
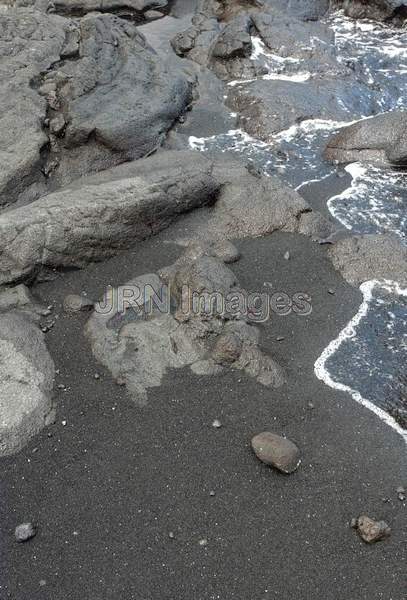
331	292
287	255
24	532
171	535
203	542
227	349
401	493
74	303
277	451
217	424
372	531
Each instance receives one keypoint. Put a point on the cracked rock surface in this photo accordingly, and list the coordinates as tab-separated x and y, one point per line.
26	381
78	97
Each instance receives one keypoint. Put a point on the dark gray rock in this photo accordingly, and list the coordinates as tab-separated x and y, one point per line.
235	40
381	140
25	532
365	257
276	451
26	381
268	107
107	96
375	9
99	215
302	9
131	9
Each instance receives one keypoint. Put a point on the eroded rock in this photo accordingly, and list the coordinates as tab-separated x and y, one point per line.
26	381
97	216
78	96
187	326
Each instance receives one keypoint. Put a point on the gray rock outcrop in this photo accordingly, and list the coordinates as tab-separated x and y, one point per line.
78	96
365	257
26	381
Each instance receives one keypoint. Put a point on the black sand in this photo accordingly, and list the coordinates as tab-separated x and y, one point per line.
107	489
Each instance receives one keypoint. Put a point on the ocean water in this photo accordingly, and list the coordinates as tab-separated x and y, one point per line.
375	341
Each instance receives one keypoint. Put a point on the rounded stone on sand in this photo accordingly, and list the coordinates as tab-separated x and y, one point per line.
276	451
24	532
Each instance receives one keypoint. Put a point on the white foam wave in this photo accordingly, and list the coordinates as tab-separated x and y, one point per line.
348	333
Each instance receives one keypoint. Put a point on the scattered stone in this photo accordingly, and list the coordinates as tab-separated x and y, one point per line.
280	338
171	535
217	424
331	292
63	423
276	451
203	542
287	256
96	376
74	303
212	493
370	530
25	532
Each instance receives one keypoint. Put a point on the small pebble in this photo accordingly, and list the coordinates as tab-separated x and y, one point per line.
370	530
171	535
212	493
287	256
63	423
217	424
203	542
24	532
331	291
280	338
96	376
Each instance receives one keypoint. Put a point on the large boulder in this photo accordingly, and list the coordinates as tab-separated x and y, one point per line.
26	381
365	257
78	96
99	215
381	140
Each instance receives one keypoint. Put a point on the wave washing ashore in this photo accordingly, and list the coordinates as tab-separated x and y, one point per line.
375	341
